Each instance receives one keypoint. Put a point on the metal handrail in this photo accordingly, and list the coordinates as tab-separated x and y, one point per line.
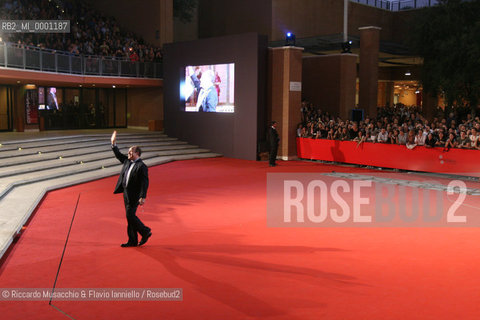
20	56
398	5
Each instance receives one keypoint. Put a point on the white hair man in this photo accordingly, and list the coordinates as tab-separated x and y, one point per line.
208	97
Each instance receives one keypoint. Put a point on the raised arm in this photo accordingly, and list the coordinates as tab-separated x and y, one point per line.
113	139
120	156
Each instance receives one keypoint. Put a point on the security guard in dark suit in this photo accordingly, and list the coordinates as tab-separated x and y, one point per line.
273	140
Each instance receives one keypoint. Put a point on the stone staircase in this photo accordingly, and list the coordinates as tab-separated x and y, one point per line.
31	167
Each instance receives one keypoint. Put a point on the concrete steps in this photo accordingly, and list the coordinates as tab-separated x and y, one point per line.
29	168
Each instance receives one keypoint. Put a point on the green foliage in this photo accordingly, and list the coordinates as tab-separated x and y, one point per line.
184	9
447	36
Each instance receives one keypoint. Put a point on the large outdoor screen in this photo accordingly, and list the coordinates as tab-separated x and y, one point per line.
209	88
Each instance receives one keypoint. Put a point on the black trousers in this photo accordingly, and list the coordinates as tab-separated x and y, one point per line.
272	157
134	224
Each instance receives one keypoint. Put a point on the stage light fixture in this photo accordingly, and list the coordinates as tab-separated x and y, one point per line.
289	39
347	46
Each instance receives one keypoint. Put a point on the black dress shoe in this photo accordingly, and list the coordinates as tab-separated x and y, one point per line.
125	245
145	238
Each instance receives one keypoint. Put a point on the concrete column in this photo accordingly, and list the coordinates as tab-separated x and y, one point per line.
368	73
329	82
385	93
166	22
285	76
381	95
347	85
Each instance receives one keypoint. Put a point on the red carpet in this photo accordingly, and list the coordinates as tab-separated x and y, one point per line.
210	238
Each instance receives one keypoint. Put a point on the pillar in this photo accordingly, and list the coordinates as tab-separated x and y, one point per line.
166	22
285	76
329	82
368	71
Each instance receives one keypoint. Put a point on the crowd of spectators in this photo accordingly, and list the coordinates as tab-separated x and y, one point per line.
91	33
451	128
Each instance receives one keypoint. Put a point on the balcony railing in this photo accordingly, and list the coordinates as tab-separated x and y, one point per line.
33	58
398	5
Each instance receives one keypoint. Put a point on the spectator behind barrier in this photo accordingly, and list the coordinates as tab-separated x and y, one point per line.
451	128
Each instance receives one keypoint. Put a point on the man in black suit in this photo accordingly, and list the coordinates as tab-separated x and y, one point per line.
273	139
133	183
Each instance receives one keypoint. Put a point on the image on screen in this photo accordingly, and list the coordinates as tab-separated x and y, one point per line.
209	88
52	101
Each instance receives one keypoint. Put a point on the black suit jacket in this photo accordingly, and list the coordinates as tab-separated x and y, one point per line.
138	181
272	138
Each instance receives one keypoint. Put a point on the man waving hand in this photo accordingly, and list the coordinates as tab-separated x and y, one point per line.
133	183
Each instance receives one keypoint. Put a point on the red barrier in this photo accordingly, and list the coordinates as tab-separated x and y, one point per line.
459	161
